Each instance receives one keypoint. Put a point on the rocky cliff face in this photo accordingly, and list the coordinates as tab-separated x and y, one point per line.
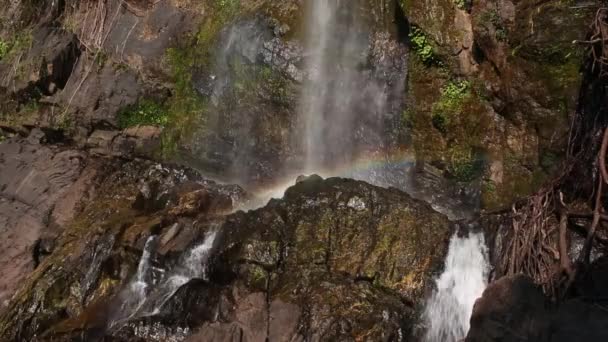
335	258
115	114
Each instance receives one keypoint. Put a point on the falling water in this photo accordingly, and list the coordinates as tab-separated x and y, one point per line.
143	297
341	104
448	311
193	266
134	296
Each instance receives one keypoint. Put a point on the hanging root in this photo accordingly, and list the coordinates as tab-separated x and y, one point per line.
535	250
596	42
530	249
537	241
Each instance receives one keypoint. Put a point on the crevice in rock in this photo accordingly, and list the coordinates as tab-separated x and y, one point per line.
402	23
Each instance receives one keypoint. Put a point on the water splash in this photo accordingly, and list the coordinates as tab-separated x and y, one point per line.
144	297
194	265
134	296
448	311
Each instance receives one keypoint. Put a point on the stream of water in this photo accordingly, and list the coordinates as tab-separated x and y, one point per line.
145	296
448	310
343	108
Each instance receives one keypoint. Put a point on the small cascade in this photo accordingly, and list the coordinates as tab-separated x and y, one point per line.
143	297
448	311
194	265
134	296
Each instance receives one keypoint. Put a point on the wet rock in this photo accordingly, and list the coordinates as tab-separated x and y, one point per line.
314	250
514	309
38	189
309	266
106	237
200	201
510	309
140	141
285	57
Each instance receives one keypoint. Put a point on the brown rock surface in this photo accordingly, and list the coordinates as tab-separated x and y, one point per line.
40	187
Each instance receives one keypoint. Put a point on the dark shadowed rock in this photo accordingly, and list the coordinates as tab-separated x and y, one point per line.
514	309
511	309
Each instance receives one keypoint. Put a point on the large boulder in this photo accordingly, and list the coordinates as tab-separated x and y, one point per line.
334	259
514	309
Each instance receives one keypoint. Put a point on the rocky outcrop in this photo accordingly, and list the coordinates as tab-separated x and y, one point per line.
514	309
40	188
493	88
334	259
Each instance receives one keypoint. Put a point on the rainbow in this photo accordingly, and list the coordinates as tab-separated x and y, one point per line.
375	168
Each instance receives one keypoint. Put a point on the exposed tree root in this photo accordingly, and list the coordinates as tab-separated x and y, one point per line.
537	244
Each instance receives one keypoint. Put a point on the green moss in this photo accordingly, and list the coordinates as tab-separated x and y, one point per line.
490	197
406	118
187	110
464	165
145	112
453	96
461	4
491	18
101	58
422	46
17	44
257	276
4	49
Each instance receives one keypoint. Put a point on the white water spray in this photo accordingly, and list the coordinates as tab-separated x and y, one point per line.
448	311
195	265
143	297
134	296
342	104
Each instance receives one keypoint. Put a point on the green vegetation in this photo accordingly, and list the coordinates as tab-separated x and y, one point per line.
223	12
491	17
146	112
464	165
186	108
421	45
461	4
453	96
465	170
406	117
4	49
16	44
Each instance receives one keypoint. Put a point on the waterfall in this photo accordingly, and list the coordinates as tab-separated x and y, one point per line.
341	103
448	310
134	296
143	297
194	265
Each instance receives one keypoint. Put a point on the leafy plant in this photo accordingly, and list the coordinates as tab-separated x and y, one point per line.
492	17
4	49
452	98
421	45
460	4
146	112
464	165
